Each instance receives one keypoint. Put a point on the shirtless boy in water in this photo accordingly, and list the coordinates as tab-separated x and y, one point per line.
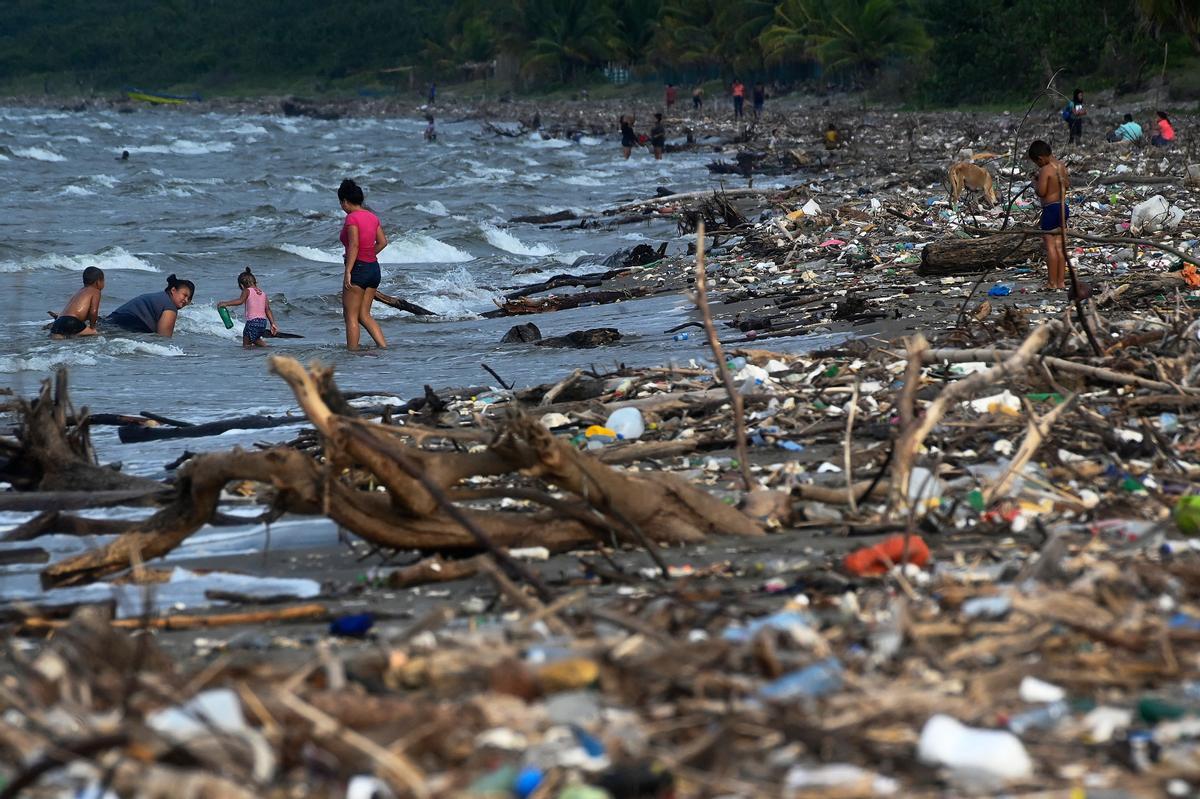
1052	185
79	316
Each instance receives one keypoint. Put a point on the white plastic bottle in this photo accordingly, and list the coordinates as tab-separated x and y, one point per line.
627	423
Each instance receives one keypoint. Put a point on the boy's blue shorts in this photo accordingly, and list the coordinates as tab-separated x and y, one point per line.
1052	215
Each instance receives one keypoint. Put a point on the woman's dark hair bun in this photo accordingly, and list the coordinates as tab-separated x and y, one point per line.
351	192
171	281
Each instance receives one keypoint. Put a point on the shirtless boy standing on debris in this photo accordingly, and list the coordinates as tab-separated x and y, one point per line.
1052	185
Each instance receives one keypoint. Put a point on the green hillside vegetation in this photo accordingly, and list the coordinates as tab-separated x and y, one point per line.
924	51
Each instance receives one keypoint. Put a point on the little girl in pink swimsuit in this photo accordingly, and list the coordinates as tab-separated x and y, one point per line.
258	310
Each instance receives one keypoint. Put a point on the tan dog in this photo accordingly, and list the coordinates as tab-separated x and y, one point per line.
973	177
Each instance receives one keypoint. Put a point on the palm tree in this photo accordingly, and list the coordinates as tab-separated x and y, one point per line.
557	37
1183	15
852	35
636	26
743	22
691	34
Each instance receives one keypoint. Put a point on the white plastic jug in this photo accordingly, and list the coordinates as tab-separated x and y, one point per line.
995	755
627	423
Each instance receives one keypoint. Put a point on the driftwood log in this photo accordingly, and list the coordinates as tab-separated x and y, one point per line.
561	302
360	455
953	256
402	304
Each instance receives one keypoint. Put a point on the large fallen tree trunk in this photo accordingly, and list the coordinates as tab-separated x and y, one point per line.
360	455
953	256
135	434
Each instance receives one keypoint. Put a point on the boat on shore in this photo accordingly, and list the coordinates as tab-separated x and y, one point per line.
158	98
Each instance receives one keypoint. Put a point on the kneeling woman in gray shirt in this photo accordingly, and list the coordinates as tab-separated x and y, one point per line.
156	311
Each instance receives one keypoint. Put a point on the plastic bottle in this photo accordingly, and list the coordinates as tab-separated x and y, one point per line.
1040	718
751	385
627	423
225	317
821	678
681	336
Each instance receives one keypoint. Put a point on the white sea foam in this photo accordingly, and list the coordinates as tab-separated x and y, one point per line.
503	240
249	129
311	253
491	172
128	346
207	322
418	248
433	208
45	361
590	141
108	181
111	259
182	147
454	295
569	258
77	191
300	185
535	140
582	180
37	154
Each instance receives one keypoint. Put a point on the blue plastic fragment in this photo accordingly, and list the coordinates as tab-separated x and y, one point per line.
355	626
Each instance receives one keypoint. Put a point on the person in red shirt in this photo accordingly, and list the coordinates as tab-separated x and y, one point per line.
739	98
671	94
1166	133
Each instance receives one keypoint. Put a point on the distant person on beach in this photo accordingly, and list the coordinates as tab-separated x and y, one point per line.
258	310
671	94
629	138
79	315
1166	133
833	139
1127	131
658	137
156	311
760	99
697	99
739	98
1052	184
364	239
1073	114
430	130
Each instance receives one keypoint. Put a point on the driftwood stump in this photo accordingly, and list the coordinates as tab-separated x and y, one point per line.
53	450
954	256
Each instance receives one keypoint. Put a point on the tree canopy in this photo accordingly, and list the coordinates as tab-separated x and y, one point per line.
946	51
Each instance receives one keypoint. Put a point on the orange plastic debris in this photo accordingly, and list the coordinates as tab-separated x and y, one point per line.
1190	276
879	558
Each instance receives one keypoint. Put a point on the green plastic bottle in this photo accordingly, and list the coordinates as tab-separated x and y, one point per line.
225	317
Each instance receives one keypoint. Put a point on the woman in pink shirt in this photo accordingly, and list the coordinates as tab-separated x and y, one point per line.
1166	133
364	239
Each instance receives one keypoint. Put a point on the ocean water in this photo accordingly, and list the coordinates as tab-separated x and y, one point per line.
206	195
